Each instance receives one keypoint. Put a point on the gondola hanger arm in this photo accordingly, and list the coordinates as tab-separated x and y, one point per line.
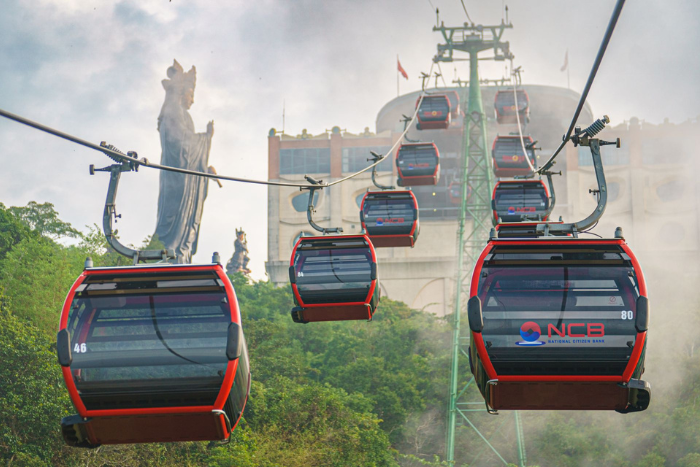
584	95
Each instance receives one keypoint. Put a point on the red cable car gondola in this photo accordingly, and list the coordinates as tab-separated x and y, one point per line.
454	191
434	112
455	109
517	200
152	353
508	157
559	324
390	218
418	164
334	278
506	109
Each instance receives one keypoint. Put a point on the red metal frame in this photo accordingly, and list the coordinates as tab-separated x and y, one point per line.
493	195
419	179
511	171
479	340
336	305
434	124
231	367
381	241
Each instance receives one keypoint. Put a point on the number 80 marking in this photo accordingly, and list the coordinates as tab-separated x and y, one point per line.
627	314
82	348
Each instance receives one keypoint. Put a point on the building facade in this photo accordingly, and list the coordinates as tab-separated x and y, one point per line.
652	192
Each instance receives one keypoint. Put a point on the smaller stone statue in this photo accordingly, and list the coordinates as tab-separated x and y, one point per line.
239	260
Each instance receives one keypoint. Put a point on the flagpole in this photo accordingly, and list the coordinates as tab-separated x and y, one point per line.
397	76
568	79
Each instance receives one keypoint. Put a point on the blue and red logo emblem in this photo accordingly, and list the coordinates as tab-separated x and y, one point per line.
530	332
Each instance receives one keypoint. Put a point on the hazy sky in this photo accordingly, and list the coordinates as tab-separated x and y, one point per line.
93	69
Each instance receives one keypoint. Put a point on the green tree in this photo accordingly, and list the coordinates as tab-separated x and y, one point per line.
43	218
32	400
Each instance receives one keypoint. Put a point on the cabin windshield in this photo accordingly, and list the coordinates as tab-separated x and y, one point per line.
333	272
559	310
506	148
438	104
134	339
505	100
389	215
521	198
417	160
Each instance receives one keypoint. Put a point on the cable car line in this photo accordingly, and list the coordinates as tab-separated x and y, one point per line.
514	76
131	157
589	83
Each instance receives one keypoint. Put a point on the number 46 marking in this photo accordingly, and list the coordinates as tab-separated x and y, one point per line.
80	348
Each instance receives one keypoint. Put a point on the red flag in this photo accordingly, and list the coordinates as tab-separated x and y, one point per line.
400	68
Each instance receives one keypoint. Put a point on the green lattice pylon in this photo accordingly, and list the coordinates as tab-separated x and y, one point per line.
477	180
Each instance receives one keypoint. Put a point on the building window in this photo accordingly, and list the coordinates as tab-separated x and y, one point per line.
300	202
665	151
609	155
670	191
305	161
355	159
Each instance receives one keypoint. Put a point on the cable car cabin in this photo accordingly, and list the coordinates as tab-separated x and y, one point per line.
152	353
334	278
506	109
455	110
508	157
434	112
518	200
390	218
559	324
418	164
454	191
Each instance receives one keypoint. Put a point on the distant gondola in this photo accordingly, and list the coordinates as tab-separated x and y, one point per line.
455	109
152	353
508	157
506	109
454	191
518	200
418	164
334	278
559	324
390	218
434	112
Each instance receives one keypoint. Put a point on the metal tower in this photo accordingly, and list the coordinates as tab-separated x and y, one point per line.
477	178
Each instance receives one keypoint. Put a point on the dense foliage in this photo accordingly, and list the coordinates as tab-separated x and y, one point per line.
323	394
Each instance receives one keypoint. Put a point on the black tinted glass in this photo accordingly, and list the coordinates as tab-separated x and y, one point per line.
418	160
149	342
546	314
387	216
516	199
333	275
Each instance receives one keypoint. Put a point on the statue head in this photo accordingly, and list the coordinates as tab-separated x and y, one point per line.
180	85
240	234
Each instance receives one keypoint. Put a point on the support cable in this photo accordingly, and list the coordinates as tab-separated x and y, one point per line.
465	12
517	116
131	156
589	83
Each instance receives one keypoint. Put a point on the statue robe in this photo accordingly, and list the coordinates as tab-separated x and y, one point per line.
181	198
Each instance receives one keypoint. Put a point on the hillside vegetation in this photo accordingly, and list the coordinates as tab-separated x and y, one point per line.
323	394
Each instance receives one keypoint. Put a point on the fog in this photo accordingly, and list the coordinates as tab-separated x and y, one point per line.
93	69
